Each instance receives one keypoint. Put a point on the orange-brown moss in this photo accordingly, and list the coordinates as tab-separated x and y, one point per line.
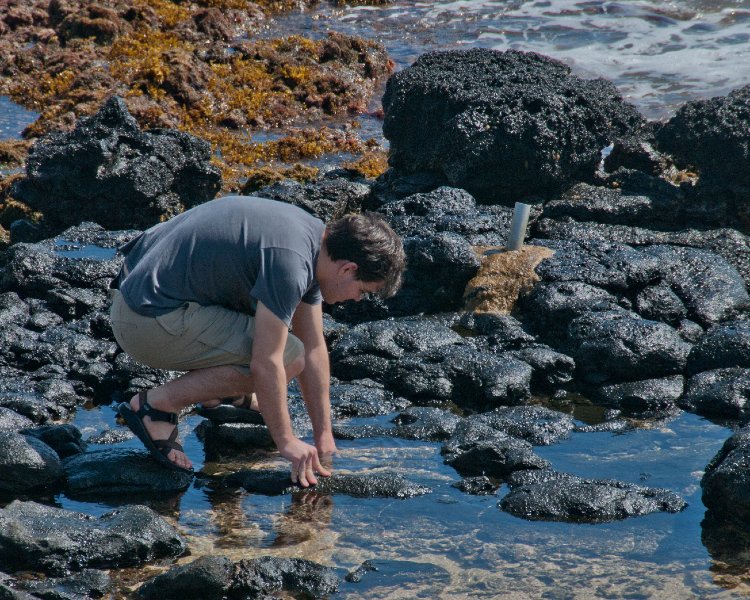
264	176
373	163
502	277
14	152
174	74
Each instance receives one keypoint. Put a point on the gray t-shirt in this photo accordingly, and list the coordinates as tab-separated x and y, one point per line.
230	252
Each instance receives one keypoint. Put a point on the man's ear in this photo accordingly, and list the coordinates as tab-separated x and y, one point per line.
348	267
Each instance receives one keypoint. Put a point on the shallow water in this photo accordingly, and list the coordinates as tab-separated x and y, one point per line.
448	544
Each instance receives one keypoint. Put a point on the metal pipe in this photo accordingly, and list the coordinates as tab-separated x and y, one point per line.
518	226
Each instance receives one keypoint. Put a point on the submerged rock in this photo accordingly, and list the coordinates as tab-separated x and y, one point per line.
109	171
364	485
56	541
501	125
476	486
205	578
120	472
551	496
89	583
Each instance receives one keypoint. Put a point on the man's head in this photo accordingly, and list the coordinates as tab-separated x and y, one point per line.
366	256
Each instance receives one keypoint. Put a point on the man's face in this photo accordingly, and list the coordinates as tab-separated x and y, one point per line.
345	285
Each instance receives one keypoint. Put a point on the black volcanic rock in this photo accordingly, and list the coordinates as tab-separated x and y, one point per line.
109	171
502	125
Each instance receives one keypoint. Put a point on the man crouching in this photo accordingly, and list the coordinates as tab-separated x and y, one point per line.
213	292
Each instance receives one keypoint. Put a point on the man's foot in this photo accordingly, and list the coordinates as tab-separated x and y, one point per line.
157	430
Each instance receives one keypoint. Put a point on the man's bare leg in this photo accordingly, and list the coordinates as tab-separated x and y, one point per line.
194	387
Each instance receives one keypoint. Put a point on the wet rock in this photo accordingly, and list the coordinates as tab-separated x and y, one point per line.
10	420
477	449
56	541
361	485
644	399
28	464
537	425
551	496
207	577
450	210
620	346
89	583
659	303
726	481
261	576
721	393
8	585
711	136
111	436
551	307
13	309
731	245
109	171
424	423
328	199
637	154
33	405
363	398
120	472
498	331
711	289
501	124
585	202
724	345
229	439
476	486
63	439
552	370
471	379
368	349
52	269
609	266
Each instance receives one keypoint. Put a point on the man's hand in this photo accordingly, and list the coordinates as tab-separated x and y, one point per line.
305	462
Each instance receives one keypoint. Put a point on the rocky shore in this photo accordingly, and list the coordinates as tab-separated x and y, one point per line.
635	297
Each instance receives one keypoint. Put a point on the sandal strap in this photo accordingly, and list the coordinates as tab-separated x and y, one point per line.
145	409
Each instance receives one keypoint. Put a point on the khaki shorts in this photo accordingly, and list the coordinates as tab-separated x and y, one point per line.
190	337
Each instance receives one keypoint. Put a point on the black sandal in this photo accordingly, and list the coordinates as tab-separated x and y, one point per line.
159	449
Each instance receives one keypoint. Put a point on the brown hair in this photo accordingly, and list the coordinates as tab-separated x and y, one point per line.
369	242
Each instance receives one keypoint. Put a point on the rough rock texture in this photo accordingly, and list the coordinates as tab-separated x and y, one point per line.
550	496
229	439
331	197
109	171
207	577
645	399
63	439
120	471
711	135
363	398
365	485
27	464
476	486
260	576
535	424
726	482
89	583
478	449
55	541
415	423
503	125
724	345
721	393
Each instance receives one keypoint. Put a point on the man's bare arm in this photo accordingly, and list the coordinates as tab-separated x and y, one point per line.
269	379
307	325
